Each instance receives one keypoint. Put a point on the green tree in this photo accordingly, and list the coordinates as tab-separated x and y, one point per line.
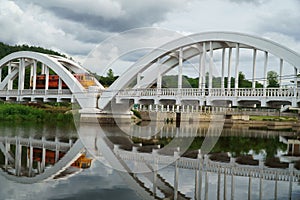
110	76
272	79
107	80
243	83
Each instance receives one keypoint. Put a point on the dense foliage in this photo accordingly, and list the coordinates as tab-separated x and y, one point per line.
18	112
107	80
8	49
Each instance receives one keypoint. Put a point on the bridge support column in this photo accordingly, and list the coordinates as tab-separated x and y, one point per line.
229	69
263	102
206	177
198	178
265	72
210	70
225	184
234	102
203	63
30	160
201	102
223	69
208	101
232	161
33	78
176	174
46	68
261	166
253	68
10	82
59	85
43	164
219	185
276	185
21	78
136	101
200	71
56	149
159	78
180	62
249	187
280	72
155	176
291	170
237	60
18	155
7	149
294	102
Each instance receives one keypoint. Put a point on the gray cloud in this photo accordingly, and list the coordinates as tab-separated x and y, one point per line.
111	16
76	27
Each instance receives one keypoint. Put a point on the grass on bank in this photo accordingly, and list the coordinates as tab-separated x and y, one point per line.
19	112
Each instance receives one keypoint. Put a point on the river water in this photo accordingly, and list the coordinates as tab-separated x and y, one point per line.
99	181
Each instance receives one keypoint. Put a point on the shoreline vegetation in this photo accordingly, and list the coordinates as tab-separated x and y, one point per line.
35	112
61	112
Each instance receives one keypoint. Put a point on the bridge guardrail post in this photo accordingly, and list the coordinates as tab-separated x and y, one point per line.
232	162
291	172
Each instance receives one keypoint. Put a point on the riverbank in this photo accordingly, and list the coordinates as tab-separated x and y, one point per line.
35	112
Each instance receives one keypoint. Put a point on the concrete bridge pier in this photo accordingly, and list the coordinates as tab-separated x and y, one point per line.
263	102
235	102
294	102
115	113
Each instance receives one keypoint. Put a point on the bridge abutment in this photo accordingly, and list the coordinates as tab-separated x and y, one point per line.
105	117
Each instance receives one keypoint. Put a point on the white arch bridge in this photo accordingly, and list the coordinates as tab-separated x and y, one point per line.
19	73
143	82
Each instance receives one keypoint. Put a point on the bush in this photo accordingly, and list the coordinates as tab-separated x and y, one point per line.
18	112
137	114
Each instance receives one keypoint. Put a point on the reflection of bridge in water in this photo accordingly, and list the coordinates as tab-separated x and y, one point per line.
187	129
145	168
144	171
45	159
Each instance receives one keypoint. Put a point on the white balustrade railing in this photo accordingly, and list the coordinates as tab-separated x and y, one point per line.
231	168
203	109
215	92
35	92
51	145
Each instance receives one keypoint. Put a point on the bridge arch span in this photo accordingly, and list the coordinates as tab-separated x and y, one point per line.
163	59
18	62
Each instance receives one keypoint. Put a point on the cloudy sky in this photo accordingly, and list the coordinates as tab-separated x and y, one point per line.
76	27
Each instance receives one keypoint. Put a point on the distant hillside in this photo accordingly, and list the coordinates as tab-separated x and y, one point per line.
6	49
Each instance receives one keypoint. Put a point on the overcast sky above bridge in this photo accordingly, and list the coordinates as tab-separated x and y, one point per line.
75	27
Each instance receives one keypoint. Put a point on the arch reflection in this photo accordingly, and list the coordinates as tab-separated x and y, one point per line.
30	160
191	176
228	174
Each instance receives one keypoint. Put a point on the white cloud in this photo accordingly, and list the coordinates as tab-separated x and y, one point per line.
76	27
